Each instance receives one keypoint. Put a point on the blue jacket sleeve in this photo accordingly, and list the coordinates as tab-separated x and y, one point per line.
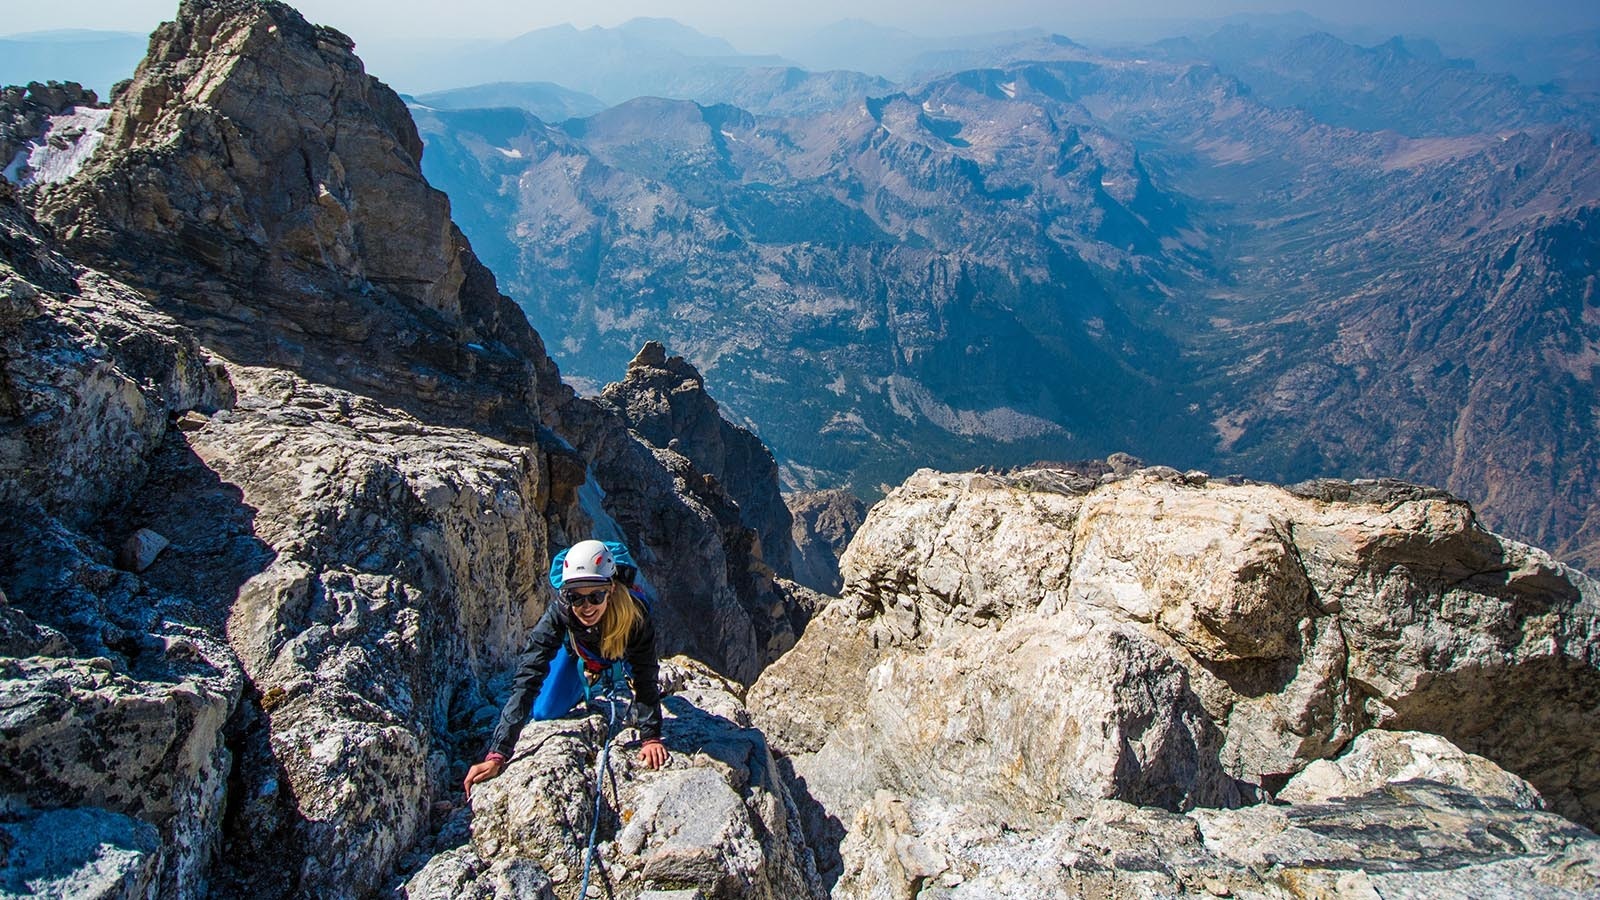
532	668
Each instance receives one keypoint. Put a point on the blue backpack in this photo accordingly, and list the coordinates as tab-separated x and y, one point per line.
567	683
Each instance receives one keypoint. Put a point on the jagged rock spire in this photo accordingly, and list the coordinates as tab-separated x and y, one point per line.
665	401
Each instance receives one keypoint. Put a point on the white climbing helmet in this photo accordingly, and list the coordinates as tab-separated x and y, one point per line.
587	562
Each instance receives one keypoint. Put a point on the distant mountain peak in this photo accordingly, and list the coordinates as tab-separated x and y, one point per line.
682	38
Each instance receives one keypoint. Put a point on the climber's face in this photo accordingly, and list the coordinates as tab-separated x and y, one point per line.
588	604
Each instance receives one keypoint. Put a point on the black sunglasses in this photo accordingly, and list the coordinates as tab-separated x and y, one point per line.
578	600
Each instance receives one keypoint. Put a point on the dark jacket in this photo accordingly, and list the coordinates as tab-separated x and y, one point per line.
547	637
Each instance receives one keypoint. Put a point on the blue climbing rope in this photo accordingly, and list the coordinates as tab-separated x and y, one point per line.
613	685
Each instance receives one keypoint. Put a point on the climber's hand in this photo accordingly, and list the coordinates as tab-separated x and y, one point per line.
483	771
653	754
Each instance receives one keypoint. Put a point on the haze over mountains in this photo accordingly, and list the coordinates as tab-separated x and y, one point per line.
1255	250
95	59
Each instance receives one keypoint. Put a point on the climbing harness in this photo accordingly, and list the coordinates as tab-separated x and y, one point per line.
608	686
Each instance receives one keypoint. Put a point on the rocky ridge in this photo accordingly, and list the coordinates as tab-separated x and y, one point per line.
664	400
247	346
1403	85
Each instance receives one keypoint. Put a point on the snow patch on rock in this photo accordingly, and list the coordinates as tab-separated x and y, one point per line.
59	153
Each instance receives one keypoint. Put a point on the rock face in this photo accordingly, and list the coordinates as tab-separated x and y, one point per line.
1016	641
140	758
111	705
1416	839
125	367
365	569
249	327
824	523
395	590
664	399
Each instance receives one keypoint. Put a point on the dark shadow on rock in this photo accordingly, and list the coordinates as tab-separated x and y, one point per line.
691	729
1552	742
1169	752
1398	828
823	830
1253	677
213	552
214	549
538	745
262	815
64	579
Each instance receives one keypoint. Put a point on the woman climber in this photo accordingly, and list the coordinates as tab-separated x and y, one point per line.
603	623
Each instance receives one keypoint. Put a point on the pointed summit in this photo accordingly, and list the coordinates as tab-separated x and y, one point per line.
260	141
254	174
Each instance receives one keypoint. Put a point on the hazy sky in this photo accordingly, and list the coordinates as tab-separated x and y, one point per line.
742	23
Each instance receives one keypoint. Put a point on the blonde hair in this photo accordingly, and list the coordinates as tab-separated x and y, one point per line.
618	621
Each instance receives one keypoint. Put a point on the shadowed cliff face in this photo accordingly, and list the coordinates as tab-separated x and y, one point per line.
664	399
824	523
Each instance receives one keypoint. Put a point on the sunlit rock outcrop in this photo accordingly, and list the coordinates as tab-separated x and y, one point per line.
1412	839
266	189
1023	643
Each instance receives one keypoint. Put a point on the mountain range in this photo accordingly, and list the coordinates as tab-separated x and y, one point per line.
1242	265
1407	86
